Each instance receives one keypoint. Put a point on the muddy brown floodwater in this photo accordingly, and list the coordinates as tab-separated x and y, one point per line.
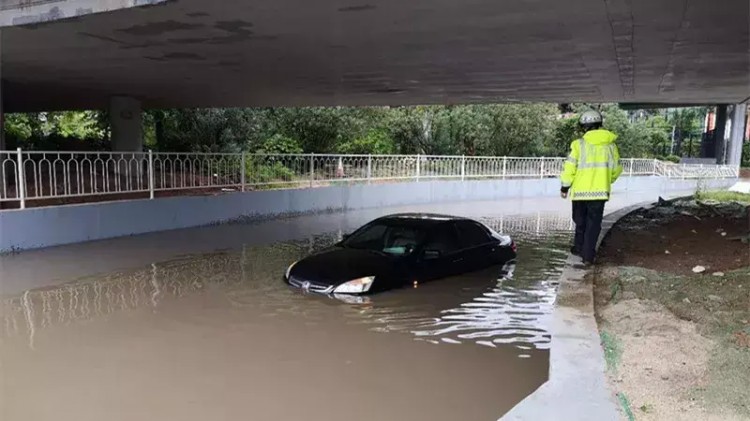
219	336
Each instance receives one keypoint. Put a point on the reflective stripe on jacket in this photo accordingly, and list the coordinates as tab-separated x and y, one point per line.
592	166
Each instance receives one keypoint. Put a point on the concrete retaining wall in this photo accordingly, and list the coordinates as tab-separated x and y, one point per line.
51	226
28	12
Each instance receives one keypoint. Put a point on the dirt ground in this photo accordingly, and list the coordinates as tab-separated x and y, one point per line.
677	343
677	242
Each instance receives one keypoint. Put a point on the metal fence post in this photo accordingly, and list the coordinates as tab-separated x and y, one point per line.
312	169
463	167
20	179
632	164
242	171
419	164
541	172
369	168
150	174
505	166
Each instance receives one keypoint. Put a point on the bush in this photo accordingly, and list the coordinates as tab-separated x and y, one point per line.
273	172
375	142
280	144
673	158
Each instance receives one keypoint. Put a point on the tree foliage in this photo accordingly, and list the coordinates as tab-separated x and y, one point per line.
493	129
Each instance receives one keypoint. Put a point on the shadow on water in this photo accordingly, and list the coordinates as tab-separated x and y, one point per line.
504	312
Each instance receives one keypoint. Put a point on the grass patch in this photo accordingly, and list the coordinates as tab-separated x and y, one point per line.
625	403
730	374
723	196
612	350
720	307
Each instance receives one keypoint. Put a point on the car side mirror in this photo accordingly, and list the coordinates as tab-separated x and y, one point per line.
431	254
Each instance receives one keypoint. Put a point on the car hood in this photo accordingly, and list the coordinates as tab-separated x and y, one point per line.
337	265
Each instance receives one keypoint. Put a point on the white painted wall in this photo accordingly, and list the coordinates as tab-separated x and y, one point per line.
50	226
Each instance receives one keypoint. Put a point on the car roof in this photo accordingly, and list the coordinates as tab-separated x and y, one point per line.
421	219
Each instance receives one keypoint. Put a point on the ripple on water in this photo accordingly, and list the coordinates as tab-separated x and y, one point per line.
492	308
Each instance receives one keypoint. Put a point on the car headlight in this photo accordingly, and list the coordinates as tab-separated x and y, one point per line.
356	286
289	270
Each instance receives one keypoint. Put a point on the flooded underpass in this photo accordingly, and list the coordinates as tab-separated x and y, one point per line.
220	336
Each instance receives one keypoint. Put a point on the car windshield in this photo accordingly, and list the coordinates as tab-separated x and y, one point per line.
391	238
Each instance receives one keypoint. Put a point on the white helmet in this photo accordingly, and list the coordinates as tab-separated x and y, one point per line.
589	118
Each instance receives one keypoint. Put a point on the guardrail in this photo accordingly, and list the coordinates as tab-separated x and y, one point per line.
58	174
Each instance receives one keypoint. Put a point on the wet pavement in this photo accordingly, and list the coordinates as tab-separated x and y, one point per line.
218	336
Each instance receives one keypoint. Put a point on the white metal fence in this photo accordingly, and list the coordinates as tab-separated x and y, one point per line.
60	175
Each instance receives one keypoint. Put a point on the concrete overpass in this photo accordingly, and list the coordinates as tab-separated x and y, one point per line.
76	54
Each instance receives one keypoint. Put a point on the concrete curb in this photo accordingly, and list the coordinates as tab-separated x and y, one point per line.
577	388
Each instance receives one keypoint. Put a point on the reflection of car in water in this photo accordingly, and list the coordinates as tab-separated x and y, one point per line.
398	250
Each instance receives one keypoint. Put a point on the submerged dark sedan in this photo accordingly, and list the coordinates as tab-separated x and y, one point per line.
398	250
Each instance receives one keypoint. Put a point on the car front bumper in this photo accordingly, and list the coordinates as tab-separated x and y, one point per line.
306	287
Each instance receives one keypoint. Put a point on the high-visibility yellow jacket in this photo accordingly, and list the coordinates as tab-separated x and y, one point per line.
592	166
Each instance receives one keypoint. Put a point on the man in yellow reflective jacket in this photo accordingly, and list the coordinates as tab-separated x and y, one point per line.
590	169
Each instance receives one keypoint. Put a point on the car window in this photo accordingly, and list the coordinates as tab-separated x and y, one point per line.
472	234
368	234
387	238
443	239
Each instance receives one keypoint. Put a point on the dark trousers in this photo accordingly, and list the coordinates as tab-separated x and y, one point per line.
587	215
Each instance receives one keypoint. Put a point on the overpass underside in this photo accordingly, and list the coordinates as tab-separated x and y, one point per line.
191	53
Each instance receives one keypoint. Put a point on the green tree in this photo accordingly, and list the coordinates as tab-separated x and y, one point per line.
632	138
279	144
376	142
212	130
519	129
566	131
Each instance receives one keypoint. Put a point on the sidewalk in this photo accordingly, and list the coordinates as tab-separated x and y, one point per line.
577	387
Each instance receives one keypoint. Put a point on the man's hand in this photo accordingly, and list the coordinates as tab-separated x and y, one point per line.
564	194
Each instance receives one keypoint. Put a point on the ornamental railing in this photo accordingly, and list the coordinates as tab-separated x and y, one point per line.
48	177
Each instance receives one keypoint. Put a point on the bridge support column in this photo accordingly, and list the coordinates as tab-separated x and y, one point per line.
720	143
126	121
3	146
2	112
736	135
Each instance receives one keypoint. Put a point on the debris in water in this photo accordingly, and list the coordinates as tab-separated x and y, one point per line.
718	274
667	252
699	269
